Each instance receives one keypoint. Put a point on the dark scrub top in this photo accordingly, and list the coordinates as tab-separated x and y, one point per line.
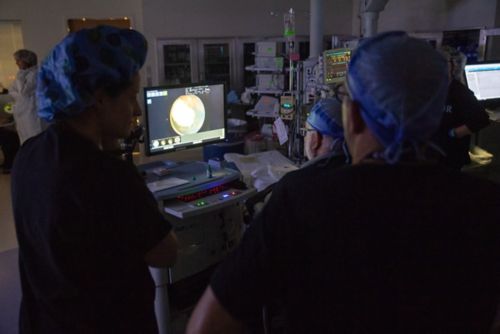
371	248
84	222
462	108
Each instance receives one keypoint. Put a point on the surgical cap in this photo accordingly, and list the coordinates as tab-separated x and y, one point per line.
401	84
326	118
82	63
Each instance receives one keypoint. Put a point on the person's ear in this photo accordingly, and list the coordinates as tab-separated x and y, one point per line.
351	117
315	141
100	99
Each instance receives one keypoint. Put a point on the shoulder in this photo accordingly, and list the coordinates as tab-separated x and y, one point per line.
307	182
461	92
318	167
458	87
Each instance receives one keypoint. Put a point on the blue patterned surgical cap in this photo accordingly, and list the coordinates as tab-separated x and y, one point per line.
326	118
83	62
401	84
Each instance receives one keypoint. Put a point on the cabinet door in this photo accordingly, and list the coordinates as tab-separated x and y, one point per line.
177	60
217	62
489	44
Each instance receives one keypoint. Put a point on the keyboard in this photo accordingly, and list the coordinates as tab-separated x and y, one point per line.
165	183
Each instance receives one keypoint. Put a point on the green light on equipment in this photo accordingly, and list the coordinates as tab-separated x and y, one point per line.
8	108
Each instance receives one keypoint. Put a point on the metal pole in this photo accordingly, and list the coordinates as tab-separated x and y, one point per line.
316	28
370	23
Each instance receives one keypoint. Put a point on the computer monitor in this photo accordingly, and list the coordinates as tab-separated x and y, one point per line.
484	80
180	117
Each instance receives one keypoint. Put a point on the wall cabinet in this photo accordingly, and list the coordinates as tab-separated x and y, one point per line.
183	61
194	60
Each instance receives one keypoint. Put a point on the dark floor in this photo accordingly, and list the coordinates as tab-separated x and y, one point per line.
10	292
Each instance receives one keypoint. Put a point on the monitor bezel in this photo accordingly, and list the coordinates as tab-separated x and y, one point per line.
484	102
147	140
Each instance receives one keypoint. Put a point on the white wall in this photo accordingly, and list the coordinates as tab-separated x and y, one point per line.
222	18
44	22
471	13
421	15
433	15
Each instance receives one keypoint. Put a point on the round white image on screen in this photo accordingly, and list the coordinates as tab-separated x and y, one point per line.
187	114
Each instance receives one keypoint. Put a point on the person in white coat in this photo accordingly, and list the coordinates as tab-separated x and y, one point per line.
28	124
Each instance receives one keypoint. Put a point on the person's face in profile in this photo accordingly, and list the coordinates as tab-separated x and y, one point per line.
21	64
118	113
310	141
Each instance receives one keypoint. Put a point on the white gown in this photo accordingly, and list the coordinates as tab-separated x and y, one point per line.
28	124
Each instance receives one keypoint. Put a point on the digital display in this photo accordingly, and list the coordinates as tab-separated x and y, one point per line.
204	193
335	65
184	116
484	80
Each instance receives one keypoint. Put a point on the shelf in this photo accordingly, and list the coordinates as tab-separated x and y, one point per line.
217	63
256	91
255	113
254	68
264	55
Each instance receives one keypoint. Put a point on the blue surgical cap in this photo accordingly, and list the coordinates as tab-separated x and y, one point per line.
401	85
82	63
326	118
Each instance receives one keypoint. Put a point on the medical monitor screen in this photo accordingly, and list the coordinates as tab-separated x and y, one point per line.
335	65
484	80
183	116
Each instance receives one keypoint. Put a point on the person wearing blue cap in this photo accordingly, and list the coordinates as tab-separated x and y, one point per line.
395	243
323	133
86	224
324	146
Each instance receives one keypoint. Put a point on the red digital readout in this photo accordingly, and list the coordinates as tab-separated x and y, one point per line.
201	194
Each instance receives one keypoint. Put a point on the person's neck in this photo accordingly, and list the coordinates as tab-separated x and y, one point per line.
323	151
363	146
86	126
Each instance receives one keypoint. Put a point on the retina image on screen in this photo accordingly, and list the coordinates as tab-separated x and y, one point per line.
484	80
184	116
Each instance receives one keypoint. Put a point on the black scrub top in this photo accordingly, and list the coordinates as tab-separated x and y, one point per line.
84	222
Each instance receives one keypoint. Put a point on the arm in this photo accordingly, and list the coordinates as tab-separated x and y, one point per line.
164	253
474	115
461	131
27	83
14	90
209	316
24	85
